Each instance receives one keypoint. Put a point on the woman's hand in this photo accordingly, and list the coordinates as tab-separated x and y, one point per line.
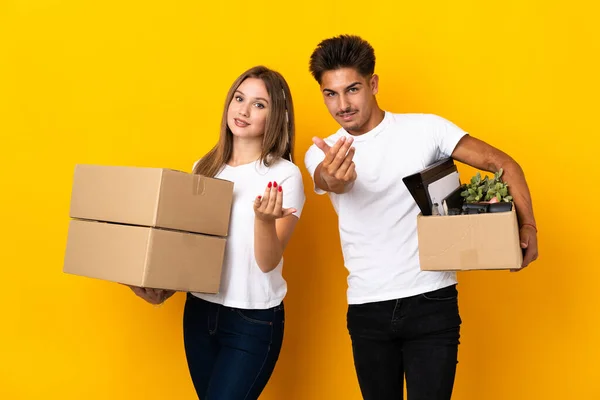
152	296
269	206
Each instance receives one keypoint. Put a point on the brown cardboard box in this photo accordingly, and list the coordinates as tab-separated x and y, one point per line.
469	242
152	197
144	256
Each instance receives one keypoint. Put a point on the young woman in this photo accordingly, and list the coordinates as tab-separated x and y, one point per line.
232	339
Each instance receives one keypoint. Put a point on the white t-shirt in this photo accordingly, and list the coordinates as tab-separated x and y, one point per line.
378	216
243	284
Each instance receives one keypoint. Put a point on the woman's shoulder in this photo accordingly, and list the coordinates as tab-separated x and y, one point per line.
281	165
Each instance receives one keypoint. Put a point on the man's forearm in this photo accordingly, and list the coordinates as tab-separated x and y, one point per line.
514	176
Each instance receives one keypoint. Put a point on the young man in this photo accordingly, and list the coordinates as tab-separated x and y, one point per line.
403	322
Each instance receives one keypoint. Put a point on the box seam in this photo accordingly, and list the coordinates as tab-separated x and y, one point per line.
147	256
158	199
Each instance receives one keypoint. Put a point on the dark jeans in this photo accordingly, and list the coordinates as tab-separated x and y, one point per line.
231	352
416	337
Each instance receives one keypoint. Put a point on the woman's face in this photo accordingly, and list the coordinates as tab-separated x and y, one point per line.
248	111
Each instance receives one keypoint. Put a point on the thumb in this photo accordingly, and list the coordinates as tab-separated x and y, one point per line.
287	211
320	143
257	202
525	241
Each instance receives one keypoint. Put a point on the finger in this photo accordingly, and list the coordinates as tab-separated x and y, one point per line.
519	269
162	295
272	199
168	294
265	198
330	156
156	297
285	212
257	202
524	241
142	292
321	144
350	173
341	154
279	200
346	163
532	251
527	257
138	291
152	294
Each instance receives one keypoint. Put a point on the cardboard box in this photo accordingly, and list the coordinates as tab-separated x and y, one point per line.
469	242
153	197
144	256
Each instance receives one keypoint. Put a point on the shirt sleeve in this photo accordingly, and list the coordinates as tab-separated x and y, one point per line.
446	136
293	191
314	156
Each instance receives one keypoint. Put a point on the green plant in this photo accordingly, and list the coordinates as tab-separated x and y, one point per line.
486	189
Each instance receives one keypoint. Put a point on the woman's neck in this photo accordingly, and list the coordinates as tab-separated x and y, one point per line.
245	150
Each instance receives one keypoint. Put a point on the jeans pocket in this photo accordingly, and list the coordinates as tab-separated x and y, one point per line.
444	294
258	317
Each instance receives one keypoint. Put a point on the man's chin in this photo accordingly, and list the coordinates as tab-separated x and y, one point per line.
351	126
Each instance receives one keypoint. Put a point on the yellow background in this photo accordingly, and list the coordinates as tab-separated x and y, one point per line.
143	82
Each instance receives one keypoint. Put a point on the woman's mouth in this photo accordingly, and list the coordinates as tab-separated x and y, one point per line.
240	123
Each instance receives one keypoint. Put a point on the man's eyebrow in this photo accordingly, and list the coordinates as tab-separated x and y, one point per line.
353	84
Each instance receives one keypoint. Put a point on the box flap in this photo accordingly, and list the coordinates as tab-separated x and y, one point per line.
127	195
195	203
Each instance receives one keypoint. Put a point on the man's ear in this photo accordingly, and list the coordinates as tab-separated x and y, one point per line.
374	84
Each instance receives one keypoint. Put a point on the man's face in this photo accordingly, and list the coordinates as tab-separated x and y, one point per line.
350	98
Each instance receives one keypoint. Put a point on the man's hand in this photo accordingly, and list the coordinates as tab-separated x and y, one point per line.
337	172
528	237
481	155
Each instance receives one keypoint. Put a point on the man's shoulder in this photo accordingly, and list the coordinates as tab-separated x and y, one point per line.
415	118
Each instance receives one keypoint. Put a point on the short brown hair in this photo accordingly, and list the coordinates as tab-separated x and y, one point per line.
344	51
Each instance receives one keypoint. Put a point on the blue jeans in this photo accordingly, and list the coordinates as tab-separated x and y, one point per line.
231	352
415	337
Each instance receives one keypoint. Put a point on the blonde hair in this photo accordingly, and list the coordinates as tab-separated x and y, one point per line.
278	139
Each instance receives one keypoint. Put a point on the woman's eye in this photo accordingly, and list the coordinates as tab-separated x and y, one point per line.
259	105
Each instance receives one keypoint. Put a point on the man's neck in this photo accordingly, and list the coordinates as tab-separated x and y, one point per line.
375	119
